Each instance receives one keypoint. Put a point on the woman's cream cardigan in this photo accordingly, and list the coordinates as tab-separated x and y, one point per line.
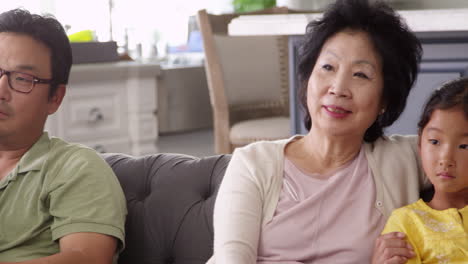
250	190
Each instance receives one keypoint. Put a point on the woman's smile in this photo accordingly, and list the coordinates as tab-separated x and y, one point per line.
336	111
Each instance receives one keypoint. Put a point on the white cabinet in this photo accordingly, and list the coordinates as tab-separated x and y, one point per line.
110	107
183	99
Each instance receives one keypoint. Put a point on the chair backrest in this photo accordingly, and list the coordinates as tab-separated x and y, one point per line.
170	201
247	76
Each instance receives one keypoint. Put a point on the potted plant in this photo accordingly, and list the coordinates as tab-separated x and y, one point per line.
252	5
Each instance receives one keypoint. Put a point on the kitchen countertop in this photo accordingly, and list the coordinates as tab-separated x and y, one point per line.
295	24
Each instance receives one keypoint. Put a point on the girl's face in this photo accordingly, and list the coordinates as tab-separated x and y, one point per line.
444	151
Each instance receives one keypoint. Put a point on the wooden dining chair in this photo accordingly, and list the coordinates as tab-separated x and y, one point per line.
248	82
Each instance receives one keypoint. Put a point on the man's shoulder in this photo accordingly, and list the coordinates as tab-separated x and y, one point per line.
64	156
60	149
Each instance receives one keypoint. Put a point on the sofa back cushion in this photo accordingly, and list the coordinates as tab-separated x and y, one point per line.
170	200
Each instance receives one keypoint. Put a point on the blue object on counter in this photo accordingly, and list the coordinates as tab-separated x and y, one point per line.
194	44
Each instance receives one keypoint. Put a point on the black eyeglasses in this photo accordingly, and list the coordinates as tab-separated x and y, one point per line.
22	82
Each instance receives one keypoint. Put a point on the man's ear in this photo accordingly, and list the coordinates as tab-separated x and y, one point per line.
56	99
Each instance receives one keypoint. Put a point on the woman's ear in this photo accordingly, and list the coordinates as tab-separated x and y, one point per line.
383	107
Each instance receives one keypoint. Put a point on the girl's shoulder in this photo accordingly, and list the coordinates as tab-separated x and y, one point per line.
418	207
420	214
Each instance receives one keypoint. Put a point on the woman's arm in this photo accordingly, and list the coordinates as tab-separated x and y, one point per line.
237	214
394	245
392	248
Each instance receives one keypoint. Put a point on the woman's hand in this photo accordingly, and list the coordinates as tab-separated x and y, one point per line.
392	248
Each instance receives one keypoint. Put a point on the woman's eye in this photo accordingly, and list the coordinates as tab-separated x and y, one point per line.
327	67
464	146
433	141
361	75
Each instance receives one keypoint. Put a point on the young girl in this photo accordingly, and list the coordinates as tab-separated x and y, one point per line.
438	229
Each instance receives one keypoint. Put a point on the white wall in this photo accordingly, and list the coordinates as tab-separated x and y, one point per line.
319	5
144	22
430	4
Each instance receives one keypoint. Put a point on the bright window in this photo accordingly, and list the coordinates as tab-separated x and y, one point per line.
144	23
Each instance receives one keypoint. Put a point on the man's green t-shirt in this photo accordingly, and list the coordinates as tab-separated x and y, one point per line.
57	189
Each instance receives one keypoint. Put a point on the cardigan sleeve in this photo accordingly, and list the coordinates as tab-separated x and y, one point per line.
237	214
397	171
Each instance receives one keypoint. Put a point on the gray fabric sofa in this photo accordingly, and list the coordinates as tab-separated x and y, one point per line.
170	199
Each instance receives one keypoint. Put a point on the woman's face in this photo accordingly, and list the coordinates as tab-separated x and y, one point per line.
345	87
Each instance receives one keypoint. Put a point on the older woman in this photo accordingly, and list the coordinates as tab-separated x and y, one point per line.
324	197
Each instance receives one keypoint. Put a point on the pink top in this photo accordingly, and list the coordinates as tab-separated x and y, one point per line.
323	221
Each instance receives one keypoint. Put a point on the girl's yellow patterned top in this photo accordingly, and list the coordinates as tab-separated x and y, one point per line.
438	237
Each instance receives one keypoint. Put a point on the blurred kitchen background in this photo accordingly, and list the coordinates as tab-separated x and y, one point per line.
163	33
157	29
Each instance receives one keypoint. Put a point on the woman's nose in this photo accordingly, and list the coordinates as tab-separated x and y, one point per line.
339	86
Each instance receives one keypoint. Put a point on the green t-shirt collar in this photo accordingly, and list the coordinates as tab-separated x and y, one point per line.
35	156
32	160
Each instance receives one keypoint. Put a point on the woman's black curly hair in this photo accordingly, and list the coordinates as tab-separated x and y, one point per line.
399	49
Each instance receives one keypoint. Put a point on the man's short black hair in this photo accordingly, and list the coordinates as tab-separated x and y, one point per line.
48	31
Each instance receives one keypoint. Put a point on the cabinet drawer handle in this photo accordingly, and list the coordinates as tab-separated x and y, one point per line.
95	115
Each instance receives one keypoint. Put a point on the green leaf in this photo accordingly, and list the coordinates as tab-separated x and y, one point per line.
252	5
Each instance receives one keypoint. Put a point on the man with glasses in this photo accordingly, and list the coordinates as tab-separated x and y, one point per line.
59	202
